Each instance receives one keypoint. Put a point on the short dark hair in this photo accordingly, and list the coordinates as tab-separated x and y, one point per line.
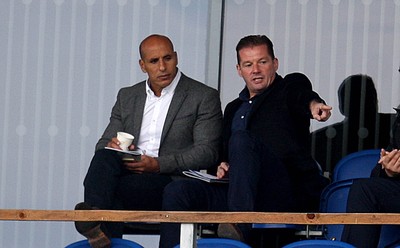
254	40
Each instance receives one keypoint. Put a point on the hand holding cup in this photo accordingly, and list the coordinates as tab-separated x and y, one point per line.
125	140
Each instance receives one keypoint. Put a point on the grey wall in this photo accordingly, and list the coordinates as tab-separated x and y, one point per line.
63	62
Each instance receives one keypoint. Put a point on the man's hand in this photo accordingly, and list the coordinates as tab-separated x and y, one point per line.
222	170
145	164
320	111
390	161
114	143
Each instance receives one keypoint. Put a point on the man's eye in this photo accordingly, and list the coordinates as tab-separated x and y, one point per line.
153	61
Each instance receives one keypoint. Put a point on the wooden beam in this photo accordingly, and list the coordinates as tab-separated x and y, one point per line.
199	217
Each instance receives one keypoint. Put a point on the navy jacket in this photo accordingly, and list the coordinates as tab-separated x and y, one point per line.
280	118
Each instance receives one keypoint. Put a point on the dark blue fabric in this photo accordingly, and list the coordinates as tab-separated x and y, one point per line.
258	179
370	195
241	117
194	195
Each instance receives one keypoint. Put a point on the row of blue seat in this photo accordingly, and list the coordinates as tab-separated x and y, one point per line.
221	243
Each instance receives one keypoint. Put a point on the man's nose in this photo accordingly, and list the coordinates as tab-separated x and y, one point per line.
162	65
256	68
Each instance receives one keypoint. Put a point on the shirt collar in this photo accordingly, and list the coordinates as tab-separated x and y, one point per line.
244	95
169	89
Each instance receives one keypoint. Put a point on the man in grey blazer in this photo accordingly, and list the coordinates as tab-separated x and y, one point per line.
174	118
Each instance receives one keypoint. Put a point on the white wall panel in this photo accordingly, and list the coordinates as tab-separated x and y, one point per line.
62	65
64	61
326	40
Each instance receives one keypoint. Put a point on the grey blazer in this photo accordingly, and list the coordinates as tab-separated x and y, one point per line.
191	136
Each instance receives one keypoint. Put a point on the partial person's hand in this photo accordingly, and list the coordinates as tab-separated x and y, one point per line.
114	143
146	164
222	170
320	111
390	161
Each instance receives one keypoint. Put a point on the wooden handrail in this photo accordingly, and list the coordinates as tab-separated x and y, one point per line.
189	220
199	217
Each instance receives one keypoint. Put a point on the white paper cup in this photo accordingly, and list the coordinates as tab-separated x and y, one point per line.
125	140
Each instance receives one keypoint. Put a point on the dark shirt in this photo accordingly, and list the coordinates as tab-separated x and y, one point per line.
241	117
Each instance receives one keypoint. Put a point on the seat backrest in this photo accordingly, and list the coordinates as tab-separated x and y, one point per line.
390	236
334	200
318	243
219	243
356	165
115	243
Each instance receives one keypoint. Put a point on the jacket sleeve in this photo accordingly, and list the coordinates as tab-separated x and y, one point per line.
114	125
300	94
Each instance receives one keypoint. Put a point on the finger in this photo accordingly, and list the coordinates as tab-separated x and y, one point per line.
396	157
221	172
134	165
382	155
391	159
394	166
391	154
224	166
325	115
114	143
115	140
326	107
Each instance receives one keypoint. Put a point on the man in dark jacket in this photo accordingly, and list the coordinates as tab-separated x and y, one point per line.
380	193
266	146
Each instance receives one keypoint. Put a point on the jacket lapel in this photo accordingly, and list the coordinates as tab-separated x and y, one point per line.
264	96
176	103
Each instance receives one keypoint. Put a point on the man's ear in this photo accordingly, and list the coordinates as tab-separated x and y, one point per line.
239	71
141	64
276	64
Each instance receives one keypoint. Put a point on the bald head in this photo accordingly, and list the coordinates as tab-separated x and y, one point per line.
159	60
154	39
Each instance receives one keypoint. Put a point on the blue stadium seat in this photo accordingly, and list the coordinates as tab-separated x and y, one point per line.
219	243
356	165
334	200
318	244
115	243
